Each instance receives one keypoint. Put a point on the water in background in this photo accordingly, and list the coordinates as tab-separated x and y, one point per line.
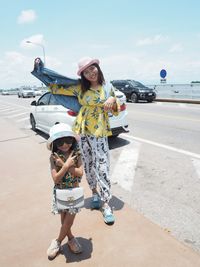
177	91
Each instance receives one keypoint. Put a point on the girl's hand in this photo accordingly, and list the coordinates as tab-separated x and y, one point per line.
71	160
58	161
110	104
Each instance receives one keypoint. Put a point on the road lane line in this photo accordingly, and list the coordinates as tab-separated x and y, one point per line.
13	104
2	108
12	111
196	164
23	119
16	115
182	151
124	169
6	110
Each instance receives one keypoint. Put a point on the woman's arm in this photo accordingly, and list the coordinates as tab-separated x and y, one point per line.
111	104
60	90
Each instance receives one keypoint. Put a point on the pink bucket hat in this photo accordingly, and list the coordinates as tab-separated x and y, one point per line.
84	63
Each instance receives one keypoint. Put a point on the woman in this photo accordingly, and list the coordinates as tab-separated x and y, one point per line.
92	124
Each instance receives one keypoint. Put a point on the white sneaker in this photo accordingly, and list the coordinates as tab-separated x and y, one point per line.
53	249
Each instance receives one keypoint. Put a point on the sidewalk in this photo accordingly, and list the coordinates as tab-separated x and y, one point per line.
27	226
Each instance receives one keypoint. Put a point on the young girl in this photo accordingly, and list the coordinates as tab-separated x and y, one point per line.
92	124
66	171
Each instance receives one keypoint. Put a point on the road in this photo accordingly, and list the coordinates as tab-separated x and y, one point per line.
155	168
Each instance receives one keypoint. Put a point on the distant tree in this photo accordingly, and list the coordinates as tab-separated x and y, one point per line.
195	82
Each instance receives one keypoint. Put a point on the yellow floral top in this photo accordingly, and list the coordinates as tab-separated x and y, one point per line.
92	119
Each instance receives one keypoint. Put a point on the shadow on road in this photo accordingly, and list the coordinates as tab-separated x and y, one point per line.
115	142
115	203
86	254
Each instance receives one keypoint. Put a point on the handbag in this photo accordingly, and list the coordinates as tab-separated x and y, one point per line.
69	198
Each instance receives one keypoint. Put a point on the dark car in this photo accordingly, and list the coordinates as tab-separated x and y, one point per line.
134	90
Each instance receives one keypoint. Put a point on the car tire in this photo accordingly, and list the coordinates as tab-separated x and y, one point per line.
33	123
134	98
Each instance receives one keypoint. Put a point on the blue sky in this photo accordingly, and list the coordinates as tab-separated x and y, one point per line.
132	39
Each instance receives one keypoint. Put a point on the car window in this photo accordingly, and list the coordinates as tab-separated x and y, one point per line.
137	84
44	100
53	100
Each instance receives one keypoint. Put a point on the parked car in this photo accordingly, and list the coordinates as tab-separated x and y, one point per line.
5	92
134	90
26	92
38	92
46	111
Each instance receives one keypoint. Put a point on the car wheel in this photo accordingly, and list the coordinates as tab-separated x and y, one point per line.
149	101
33	123
134	98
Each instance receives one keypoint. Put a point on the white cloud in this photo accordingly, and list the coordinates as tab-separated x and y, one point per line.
27	16
15	70
176	48
157	39
14	57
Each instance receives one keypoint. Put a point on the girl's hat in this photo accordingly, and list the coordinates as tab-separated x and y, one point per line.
84	63
58	131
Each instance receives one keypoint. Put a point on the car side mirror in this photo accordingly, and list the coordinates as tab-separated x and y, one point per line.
33	103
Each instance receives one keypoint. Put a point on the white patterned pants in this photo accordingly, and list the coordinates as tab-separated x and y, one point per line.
95	157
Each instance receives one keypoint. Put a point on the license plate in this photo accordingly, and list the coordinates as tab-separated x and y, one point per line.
150	94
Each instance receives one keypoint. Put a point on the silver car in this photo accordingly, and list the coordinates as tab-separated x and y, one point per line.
26	92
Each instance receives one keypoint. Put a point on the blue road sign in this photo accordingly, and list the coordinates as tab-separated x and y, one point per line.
163	73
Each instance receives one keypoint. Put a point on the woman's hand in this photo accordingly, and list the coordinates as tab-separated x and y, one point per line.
110	104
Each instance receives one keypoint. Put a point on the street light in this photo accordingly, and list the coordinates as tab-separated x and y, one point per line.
29	42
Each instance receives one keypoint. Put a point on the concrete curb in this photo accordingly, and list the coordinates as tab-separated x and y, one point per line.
190	101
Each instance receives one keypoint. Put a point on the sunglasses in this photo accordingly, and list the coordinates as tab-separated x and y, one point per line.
64	140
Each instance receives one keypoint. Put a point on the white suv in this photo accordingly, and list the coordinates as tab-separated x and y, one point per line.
45	112
26	92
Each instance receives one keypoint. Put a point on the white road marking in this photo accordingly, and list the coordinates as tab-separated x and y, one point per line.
124	170
185	152
16	115
6	110
13	104
196	164
2	108
183	105
12	111
23	119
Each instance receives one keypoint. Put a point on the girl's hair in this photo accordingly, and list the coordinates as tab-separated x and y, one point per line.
73	147
85	84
